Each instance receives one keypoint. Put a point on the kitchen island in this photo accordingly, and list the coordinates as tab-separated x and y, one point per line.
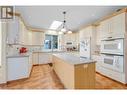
74	72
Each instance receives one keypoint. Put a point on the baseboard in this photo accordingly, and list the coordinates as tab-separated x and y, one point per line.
111	79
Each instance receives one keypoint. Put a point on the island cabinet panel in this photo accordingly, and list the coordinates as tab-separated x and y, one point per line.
85	76
80	76
64	71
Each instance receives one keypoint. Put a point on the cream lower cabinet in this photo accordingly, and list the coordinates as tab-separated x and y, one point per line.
113	74
17	68
41	58
35	58
98	63
45	58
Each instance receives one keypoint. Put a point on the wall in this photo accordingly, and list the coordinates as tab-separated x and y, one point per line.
0	42
3	58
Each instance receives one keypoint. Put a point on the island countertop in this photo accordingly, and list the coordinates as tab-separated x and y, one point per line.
73	59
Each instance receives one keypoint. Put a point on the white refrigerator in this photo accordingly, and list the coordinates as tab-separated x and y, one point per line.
85	48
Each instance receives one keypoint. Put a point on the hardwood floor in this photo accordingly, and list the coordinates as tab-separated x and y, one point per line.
43	77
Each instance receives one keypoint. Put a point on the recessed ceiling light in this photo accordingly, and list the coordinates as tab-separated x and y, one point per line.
55	25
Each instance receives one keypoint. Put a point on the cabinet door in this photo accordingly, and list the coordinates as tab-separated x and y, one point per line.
87	32
35	58
13	31
38	38
28	37
98	35
119	25
17	68
45	58
105	29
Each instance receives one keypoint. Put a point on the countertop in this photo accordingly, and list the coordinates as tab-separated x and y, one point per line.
19	55
72	59
53	52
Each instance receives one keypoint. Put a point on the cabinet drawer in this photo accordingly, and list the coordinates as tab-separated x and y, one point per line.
111	74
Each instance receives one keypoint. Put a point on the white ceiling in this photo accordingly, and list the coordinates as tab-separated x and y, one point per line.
77	16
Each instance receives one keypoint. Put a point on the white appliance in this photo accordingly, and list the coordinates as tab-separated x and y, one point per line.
112	46
85	47
113	62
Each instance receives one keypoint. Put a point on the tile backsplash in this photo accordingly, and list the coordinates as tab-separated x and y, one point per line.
14	49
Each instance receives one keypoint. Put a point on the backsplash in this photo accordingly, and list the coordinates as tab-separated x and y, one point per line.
14	49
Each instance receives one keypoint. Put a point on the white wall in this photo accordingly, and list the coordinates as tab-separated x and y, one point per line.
3	53
0	42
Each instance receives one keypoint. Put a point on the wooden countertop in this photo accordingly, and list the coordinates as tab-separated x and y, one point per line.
72	59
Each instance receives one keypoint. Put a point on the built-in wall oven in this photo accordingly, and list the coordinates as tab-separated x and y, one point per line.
112	54
113	62
112	46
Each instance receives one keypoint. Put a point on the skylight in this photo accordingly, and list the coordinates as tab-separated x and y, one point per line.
55	25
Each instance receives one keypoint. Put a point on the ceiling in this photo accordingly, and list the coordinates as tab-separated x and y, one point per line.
77	16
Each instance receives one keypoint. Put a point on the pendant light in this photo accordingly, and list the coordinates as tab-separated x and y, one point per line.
64	29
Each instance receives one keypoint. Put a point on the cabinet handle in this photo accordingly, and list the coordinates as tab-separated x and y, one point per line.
85	66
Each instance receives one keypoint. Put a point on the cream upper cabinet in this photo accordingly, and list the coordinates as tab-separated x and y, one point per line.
119	25
13	35
87	32
17	33
37	38
106	29
98	35
113	27
71	38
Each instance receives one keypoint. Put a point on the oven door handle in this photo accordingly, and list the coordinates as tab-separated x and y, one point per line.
116	62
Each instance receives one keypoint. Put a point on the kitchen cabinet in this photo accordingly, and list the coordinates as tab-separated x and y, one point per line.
98	35
17	68
13	34
97	58
119	25
113	74
35	58
113	27
30	63
45	58
41	58
71	38
17	33
38	38
74	76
